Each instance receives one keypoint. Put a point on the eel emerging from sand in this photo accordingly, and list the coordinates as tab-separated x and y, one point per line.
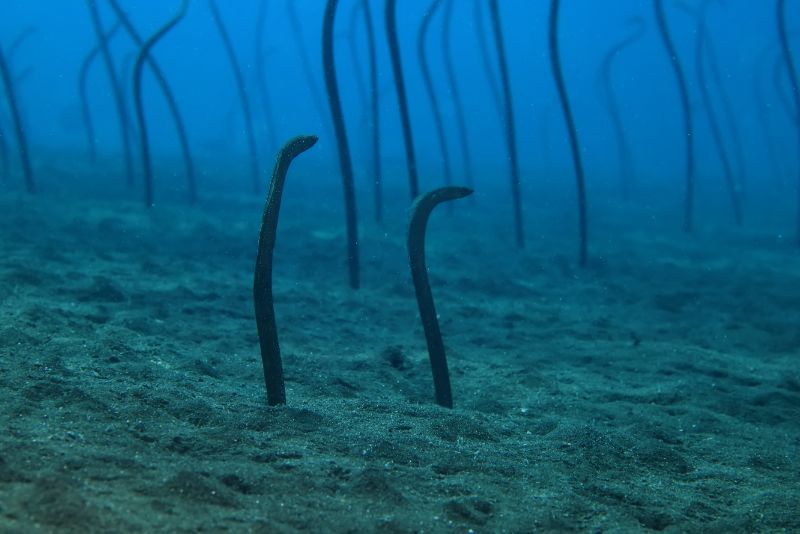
343	148
19	130
420	212
144	142
262	283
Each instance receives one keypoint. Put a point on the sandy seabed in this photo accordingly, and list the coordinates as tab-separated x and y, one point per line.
656	390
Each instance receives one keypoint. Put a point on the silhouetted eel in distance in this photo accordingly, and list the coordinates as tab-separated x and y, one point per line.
126	85
402	100
727	107
779	75
510	129
5	167
5	163
116	89
701	43
780	79
261	74
429	89
604	77
16	119
244	102
144	53
555	62
357	77
417	226
680	80
790	65
262	279
172	104
483	46
375	111
12	50
305	63
455	94
346	164
763	116
83	90
368	96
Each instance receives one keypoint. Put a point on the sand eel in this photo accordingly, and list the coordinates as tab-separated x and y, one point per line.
262	282
418	222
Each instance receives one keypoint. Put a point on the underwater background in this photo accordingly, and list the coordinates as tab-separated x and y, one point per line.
618	301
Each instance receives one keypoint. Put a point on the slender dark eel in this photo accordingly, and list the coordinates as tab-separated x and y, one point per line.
244	102
390	18
429	89
604	78
169	96
730	113
4	163
137	98
342	145
9	59
455	94
418	222
16	119
83	89
764	118
508	122
680	80
571	130
305	63
116	89
262	280
790	66
780	79
375	123
261	74
702	51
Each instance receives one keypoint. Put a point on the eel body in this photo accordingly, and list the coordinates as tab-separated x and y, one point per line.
262	280
420	213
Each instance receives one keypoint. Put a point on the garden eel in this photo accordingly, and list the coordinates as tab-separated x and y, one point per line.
375	107
137	97
608	95
116	89
703	44
390	17
510	130
169	96
455	94
680	80
787	55
555	62
240	87
262	280
16	118
418	222
345	162
83	90
431	91
261	74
